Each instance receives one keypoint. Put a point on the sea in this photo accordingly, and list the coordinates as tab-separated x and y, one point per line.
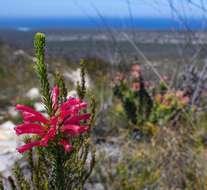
26	24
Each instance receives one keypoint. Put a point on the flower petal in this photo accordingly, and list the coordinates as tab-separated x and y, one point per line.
30	110
29	117
29	131
75	129
73	110
55	96
83	129
31	125
30	128
53	120
76	118
50	134
66	145
70	102
25	147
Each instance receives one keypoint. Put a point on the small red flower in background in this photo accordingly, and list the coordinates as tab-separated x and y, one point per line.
158	98
66	122
119	75
179	93
185	100
136	68
136	86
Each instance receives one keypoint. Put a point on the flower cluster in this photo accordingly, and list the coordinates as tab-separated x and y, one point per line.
148	102
172	98
131	91
135	71
118	77
63	125
168	104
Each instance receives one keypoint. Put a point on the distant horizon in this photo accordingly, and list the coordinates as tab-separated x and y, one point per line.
85	17
147	23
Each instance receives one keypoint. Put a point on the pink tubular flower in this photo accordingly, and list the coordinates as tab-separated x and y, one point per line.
71	130
72	110
29	117
70	102
83	129
55	96
75	119
28	146
30	128
66	145
65	123
54	120
75	129
50	135
31	113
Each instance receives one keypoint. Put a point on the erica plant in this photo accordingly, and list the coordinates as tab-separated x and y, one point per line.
58	149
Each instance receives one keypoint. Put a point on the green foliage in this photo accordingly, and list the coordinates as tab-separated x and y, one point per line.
136	101
11	182
81	88
93	111
147	104
39	45
22	184
41	68
59	81
1	185
127	170
38	172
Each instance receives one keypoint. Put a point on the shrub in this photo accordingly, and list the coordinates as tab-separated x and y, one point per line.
147	104
59	159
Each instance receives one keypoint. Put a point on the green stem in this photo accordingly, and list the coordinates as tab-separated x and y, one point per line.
58	170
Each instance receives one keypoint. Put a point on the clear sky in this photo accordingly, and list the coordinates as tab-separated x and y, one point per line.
83	8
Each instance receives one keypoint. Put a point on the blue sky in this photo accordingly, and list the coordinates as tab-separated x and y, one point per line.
83	8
